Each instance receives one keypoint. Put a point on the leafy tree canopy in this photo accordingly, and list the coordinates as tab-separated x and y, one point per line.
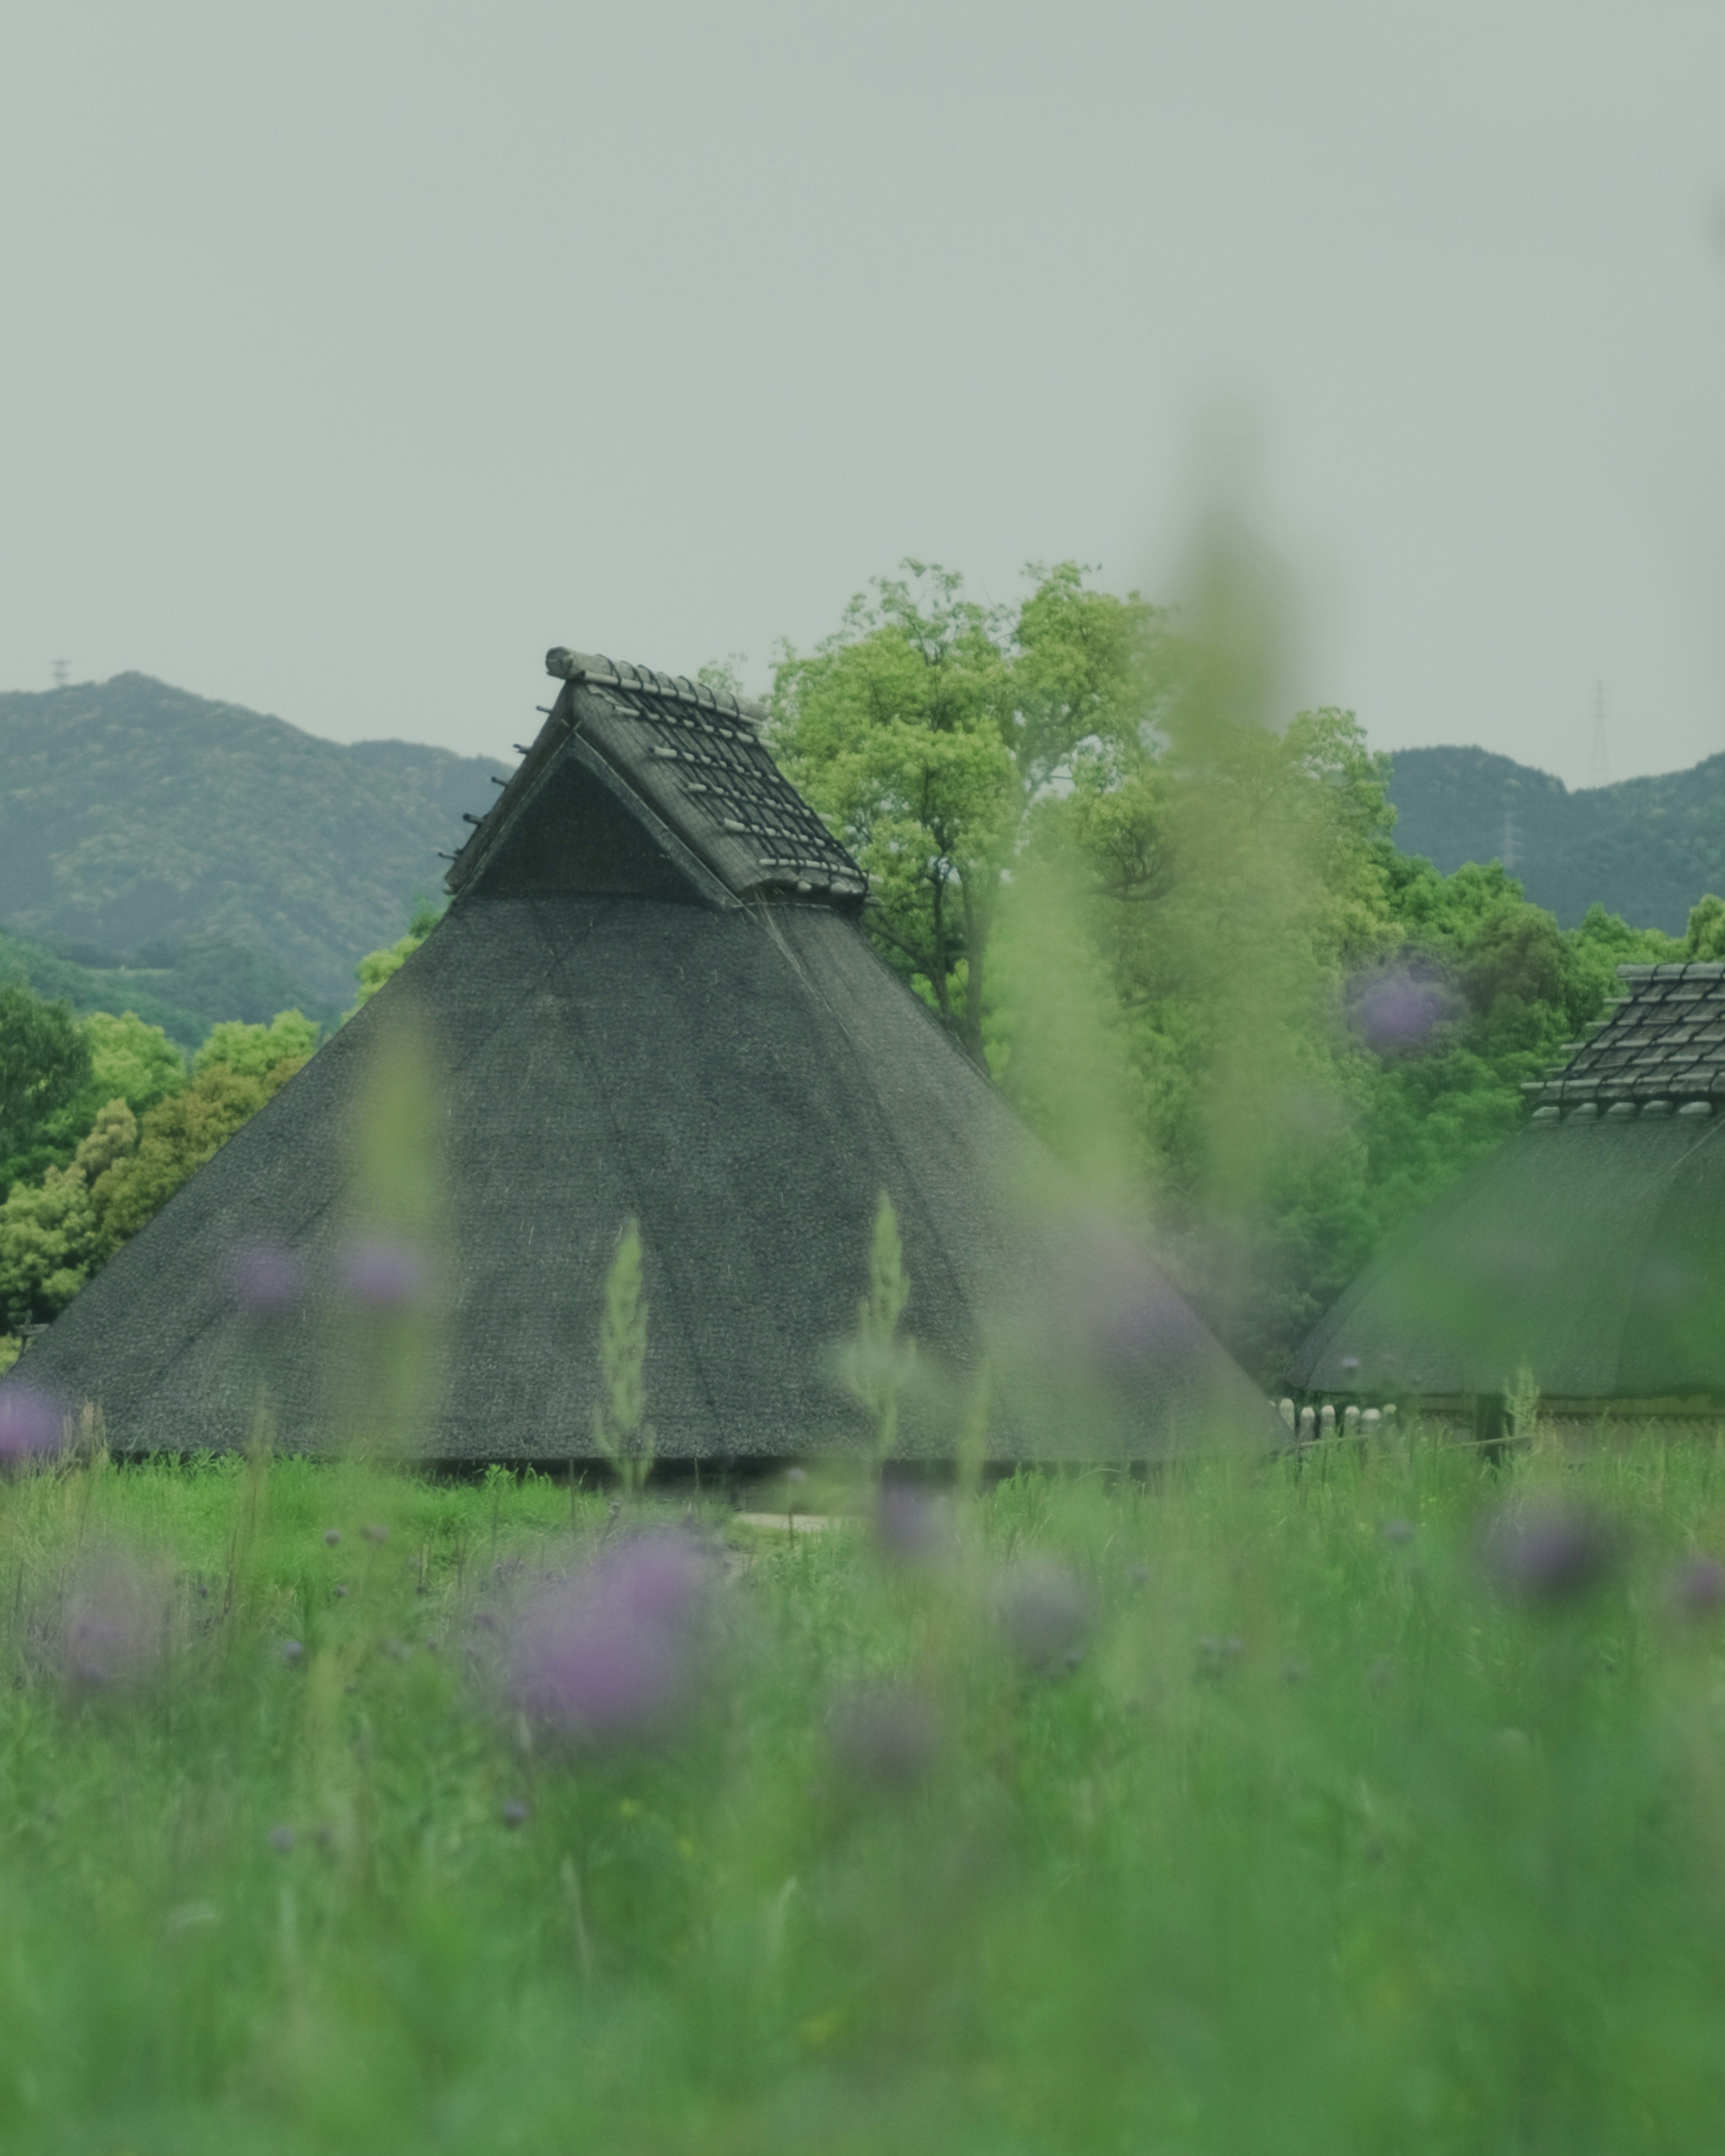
1176	925
1706	939
45	1058
174	1140
251	1050
928	724
378	966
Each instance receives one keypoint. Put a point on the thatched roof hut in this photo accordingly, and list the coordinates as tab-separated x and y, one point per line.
1589	1251
650	999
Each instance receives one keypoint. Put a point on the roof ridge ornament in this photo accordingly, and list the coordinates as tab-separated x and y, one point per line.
563	664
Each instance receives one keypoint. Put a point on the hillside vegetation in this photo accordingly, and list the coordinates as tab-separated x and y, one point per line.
1645	849
194	861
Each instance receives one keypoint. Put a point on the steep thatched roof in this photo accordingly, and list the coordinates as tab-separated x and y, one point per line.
650	1000
1590	1250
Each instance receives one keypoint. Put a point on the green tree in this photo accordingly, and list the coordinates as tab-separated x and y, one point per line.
130	1061
47	1242
378	966
44	1062
1176	923
174	1140
925	727
1706	939
250	1051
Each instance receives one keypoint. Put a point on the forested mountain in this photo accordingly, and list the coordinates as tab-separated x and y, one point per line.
196	861
1646	849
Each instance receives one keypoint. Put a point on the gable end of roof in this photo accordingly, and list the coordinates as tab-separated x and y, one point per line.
688	762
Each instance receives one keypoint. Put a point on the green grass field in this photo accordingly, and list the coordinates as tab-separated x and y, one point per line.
1201	1816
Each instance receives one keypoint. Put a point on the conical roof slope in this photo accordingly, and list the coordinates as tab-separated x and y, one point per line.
1589	1250
650	1000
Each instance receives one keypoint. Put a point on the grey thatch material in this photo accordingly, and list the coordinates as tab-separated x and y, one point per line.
618	1026
1590	1250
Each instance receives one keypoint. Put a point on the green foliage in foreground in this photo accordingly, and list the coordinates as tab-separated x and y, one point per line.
1322	1845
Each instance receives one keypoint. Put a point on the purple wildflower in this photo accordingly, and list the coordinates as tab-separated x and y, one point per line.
382	1274
1549	1552
374	1531
515	1813
281	1839
608	1655
292	1650
1698	1587
332	1535
116	1623
886	1737
908	1526
266	1277
30	1424
1397	1531
1397	1009
1046	1613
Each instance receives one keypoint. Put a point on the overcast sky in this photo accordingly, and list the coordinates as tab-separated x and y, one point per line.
351	355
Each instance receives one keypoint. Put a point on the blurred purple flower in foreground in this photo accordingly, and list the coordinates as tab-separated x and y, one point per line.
1698	1587
1548	1552
886	1736
30	1424
266	1277
908	1524
117	1620
1399	1009
382	1273
609	1655
1046	1613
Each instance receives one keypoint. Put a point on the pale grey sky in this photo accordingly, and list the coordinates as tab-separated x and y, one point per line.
351	355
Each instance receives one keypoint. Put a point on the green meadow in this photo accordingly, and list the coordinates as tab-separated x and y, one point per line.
1280	1805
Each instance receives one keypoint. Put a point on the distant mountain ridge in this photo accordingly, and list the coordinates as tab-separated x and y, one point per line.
194	860
226	862
1645	848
